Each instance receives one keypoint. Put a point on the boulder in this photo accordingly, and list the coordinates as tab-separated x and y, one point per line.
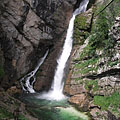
80	101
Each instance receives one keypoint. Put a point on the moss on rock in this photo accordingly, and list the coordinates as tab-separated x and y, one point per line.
110	103
82	27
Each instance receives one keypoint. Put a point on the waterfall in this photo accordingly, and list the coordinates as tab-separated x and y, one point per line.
56	91
28	80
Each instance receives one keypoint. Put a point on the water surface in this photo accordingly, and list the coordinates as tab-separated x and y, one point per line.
53	110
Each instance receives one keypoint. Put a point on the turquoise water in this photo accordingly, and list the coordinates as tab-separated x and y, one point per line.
53	110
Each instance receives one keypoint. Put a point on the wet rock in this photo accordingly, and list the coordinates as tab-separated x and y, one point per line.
14	91
80	101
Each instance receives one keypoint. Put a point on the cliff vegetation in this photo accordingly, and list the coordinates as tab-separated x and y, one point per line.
95	67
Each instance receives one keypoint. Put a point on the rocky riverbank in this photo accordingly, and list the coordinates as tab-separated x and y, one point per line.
12	109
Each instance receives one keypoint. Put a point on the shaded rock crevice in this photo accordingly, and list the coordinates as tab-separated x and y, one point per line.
111	72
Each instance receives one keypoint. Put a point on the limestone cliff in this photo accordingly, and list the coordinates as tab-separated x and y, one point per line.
94	79
27	29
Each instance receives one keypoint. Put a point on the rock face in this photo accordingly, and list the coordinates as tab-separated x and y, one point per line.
81	102
95	64
11	108
28	29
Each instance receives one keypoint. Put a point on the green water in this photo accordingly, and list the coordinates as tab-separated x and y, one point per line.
53	110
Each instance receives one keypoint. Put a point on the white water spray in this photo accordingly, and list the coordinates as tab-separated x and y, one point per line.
28	80
56	92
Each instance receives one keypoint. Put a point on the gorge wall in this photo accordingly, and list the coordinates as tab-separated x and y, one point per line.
94	78
28	28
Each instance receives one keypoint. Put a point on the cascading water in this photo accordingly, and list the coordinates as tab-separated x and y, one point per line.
56	91
28	80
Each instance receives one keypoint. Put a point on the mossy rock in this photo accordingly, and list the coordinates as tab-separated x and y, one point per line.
6	115
80	36
110	103
81	22
82	27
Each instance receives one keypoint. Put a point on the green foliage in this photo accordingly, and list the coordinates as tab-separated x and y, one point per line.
119	28
78	79
91	84
106	102
86	63
119	44
88	51
114	11
4	114
80	34
99	37
98	40
80	22
113	63
87	66
22	117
